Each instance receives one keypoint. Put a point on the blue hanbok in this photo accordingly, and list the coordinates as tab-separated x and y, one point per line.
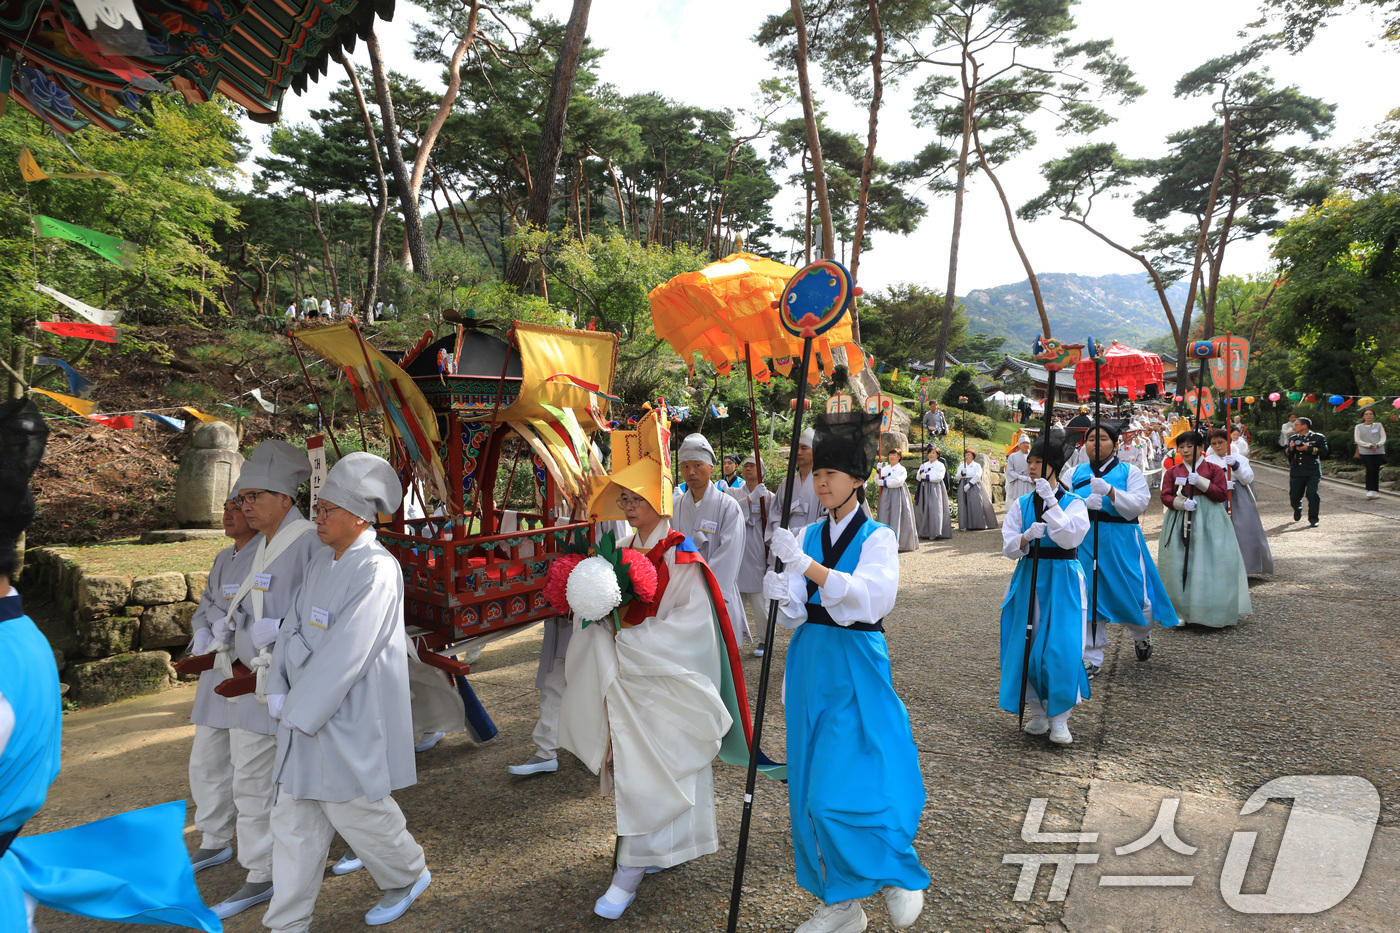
131	868
1130	589
855	791
1056	670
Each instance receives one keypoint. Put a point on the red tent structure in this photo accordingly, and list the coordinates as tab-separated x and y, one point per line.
1123	368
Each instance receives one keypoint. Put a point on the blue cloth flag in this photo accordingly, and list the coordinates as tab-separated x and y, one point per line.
78	384
174	424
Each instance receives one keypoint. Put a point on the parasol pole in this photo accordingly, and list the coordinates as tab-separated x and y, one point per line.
1093	470
1037	507
806	326
770	631
758	457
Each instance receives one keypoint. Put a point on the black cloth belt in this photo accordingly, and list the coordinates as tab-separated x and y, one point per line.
1097	516
6	839
1059	553
831	556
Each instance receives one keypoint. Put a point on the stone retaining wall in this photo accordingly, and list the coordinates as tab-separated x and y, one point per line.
113	634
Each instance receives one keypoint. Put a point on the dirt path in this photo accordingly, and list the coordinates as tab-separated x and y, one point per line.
1306	685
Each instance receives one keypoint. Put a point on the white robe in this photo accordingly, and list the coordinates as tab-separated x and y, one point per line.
648	694
287	573
1018	477
717	526
754	504
342	661
229	569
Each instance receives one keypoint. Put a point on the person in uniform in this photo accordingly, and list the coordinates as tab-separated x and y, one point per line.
1244	510
1215	590
1054	675
1129	589
1018	478
855	791
975	512
895	508
715	522
931	508
338	688
647	695
752	496
286	543
211	758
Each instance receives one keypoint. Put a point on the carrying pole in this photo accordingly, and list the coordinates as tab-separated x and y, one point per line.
1035	558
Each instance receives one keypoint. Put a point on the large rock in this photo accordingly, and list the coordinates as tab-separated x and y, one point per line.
195	584
121	677
161	588
167	626
100	595
102	638
209	468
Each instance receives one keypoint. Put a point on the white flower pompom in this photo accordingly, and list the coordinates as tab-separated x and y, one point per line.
592	589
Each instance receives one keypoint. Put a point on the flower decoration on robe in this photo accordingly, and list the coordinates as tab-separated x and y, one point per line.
596	585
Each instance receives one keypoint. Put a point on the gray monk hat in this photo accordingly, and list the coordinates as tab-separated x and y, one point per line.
364	485
277	467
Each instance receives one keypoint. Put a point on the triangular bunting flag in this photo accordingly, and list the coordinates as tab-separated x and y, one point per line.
207	419
78	384
114	249
117	422
80	405
81	331
96	315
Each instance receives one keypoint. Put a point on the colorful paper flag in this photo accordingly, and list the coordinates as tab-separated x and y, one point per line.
78	384
207	419
117	422
174	424
266	405
30	170
96	315
114	249
81	331
81	405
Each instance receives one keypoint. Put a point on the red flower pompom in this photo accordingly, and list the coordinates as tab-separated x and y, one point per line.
557	579
641	572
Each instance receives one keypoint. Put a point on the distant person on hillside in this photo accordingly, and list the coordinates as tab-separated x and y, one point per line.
934	423
327	309
309	308
292	311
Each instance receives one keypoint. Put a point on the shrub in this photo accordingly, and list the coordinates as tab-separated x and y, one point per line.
975	425
964	385
1341	443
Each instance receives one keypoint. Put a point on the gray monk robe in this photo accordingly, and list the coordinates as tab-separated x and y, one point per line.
896	508
717	526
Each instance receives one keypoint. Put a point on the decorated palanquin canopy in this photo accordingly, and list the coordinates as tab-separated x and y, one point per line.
381	386
1122	368
75	63
729	305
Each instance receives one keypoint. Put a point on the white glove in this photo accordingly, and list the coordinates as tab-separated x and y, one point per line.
274	704
1234	463
1193	477
1229	484
1094	501
1035	532
264	633
1202	483
1099	486
1187	505
788	549
203	642
1045	490
775	587
223	630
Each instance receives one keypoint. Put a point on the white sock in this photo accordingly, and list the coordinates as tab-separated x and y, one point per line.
1061	720
628	877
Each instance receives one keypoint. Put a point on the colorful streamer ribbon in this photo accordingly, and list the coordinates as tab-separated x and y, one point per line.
96	315
80	405
78	384
114	249
81	331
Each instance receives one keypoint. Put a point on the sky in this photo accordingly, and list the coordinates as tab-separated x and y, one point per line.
701	52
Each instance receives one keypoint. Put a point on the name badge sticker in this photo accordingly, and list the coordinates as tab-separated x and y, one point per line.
320	617
709	527
261	581
230	590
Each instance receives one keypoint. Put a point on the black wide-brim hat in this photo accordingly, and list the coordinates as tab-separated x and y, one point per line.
1053	448
848	442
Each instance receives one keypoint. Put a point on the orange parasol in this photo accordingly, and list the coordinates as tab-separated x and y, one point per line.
729	304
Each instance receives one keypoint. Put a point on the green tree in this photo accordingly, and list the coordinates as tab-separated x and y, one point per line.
900	324
964	386
1339	307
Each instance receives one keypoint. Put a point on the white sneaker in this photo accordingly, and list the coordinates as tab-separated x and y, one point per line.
250	895
429	740
836	918
613	902
389	909
1039	724
759	649
1059	734
536	765
904	906
347	863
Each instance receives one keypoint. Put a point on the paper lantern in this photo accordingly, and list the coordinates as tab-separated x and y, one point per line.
1274	396
1335	399
1249	400
1295	396
1365	400
1396	403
